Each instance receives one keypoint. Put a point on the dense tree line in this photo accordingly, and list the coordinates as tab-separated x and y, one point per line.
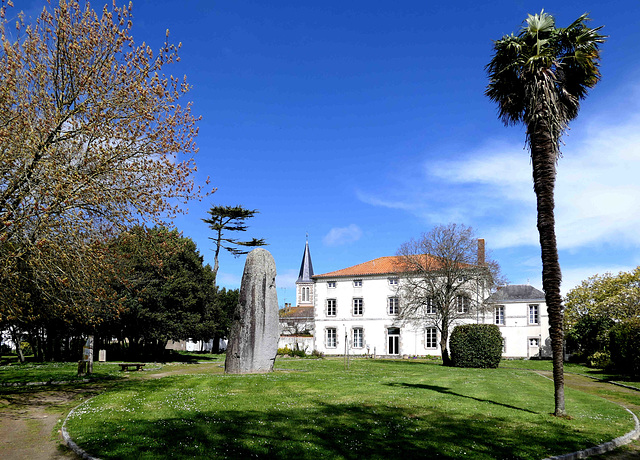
594	307
154	287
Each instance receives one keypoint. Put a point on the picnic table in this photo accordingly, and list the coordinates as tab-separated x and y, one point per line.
126	366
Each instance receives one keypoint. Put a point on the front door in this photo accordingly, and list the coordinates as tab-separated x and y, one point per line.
393	341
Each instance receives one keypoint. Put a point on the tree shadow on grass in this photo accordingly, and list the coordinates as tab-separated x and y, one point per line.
189	358
447	391
322	429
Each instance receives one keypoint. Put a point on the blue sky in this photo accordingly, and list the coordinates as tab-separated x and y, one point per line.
364	123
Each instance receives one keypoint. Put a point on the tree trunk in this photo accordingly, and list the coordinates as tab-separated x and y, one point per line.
17	340
444	338
216	344
543	158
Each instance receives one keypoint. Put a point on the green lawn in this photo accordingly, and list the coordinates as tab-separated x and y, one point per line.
317	409
53	372
33	372
546	365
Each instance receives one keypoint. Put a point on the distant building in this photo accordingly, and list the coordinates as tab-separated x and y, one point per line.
297	323
520	311
355	310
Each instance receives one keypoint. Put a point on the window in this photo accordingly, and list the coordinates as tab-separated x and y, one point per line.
332	337
332	307
504	344
431	338
358	337
331	284
357	283
393	281
394	305
305	294
462	304
533	314
499	314
357	306
431	306
534	342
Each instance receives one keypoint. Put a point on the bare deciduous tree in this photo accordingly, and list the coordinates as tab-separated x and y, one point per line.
445	277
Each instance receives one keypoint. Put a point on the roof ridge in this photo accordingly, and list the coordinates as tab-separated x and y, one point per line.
369	267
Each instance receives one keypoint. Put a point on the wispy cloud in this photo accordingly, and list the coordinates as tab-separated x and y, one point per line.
287	280
342	235
597	193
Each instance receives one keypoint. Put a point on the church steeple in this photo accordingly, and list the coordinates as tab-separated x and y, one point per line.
305	283
306	268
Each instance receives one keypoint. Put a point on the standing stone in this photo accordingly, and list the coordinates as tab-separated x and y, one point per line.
253	340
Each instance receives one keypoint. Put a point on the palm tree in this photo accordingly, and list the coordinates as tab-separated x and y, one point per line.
538	78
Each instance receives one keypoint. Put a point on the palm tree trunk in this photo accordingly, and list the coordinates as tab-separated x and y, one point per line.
543	157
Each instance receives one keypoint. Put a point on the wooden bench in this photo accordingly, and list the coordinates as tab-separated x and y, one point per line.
126	366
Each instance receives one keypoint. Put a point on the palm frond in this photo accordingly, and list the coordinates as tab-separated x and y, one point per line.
541	74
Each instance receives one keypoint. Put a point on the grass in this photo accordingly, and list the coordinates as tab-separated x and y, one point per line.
547	365
53	372
12	372
317	409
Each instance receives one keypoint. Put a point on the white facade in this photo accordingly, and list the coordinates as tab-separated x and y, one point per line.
358	314
355	311
523	321
361	313
362	309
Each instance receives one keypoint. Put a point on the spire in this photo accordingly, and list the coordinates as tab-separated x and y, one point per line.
306	268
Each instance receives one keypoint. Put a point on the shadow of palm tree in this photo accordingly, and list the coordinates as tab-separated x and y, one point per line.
447	391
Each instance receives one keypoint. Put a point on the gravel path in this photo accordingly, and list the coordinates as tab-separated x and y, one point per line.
30	419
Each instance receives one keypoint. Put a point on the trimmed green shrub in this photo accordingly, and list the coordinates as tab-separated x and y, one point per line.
286	351
599	360
624	346
476	345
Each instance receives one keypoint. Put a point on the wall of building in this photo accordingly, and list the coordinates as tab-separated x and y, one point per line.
377	326
524	338
296	342
374	319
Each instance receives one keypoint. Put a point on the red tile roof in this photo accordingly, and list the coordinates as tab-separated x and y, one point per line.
390	265
381	266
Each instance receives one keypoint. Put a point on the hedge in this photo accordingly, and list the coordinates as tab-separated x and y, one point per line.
624	346
476	345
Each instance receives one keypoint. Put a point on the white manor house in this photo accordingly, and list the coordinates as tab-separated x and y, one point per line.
355	311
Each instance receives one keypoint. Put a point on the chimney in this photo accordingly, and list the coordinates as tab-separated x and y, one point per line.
481	251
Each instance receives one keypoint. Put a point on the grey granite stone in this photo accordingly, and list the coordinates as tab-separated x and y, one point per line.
253	340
